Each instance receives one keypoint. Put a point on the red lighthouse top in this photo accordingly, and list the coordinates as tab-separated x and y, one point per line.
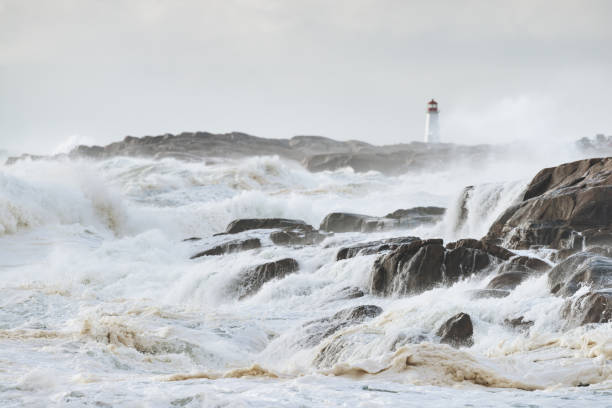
432	106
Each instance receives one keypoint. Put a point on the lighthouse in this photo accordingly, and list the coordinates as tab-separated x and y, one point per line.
432	126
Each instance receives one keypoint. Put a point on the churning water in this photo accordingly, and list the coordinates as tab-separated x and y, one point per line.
100	304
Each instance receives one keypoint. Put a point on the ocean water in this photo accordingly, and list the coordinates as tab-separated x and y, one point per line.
100	304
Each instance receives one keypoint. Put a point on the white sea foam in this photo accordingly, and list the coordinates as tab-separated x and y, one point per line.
101	303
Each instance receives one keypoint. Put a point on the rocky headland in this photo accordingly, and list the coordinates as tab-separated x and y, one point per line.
566	210
315	153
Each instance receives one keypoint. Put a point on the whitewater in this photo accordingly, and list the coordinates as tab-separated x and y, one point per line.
101	305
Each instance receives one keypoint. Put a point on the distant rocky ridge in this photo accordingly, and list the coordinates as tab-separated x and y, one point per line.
316	153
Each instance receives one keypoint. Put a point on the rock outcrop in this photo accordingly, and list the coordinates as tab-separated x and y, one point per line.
247	224
409	218
592	307
514	271
564	207
316	153
348	222
254	278
231	246
291	237
457	331
578	270
318	330
373	247
424	264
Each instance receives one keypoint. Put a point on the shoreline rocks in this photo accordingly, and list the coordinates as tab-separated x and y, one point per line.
402	218
423	264
251	280
457	331
563	207
230	247
247	224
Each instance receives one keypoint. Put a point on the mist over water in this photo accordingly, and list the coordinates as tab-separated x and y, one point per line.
100	303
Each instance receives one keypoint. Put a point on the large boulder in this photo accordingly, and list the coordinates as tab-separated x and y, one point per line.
581	269
292	237
231	246
372	247
251	280
348	222
515	270
408	218
423	264
592	307
457	331
507	280
413	217
560	205
246	224
319	329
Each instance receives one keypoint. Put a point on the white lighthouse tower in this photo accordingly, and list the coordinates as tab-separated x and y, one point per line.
432	126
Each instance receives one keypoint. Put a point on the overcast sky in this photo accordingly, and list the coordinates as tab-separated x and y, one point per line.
95	71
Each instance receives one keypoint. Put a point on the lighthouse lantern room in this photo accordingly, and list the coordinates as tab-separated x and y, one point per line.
432	126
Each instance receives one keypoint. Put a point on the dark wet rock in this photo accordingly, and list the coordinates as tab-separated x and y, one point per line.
413	217
192	239
492	249
231	246
296	237
423	264
348	222
592	307
246	224
411	268
561	208
254	278
563	254
457	331
518	323
525	264
350	292
463	209
416	211
373	247
409	218
488	293
507	280
319	329
583	268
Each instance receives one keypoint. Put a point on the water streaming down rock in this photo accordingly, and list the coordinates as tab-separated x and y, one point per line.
102	275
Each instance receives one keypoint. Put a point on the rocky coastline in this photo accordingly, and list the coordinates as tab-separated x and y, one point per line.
566	210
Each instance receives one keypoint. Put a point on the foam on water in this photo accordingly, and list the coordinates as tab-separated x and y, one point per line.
100	303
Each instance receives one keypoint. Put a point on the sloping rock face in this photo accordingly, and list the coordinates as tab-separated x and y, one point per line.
296	237
592	307
564	207
254	278
457	331
348	222
413	217
409	218
230	247
318	330
195	146
373	247
423	264
584	269
514	271
578	270
247	224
